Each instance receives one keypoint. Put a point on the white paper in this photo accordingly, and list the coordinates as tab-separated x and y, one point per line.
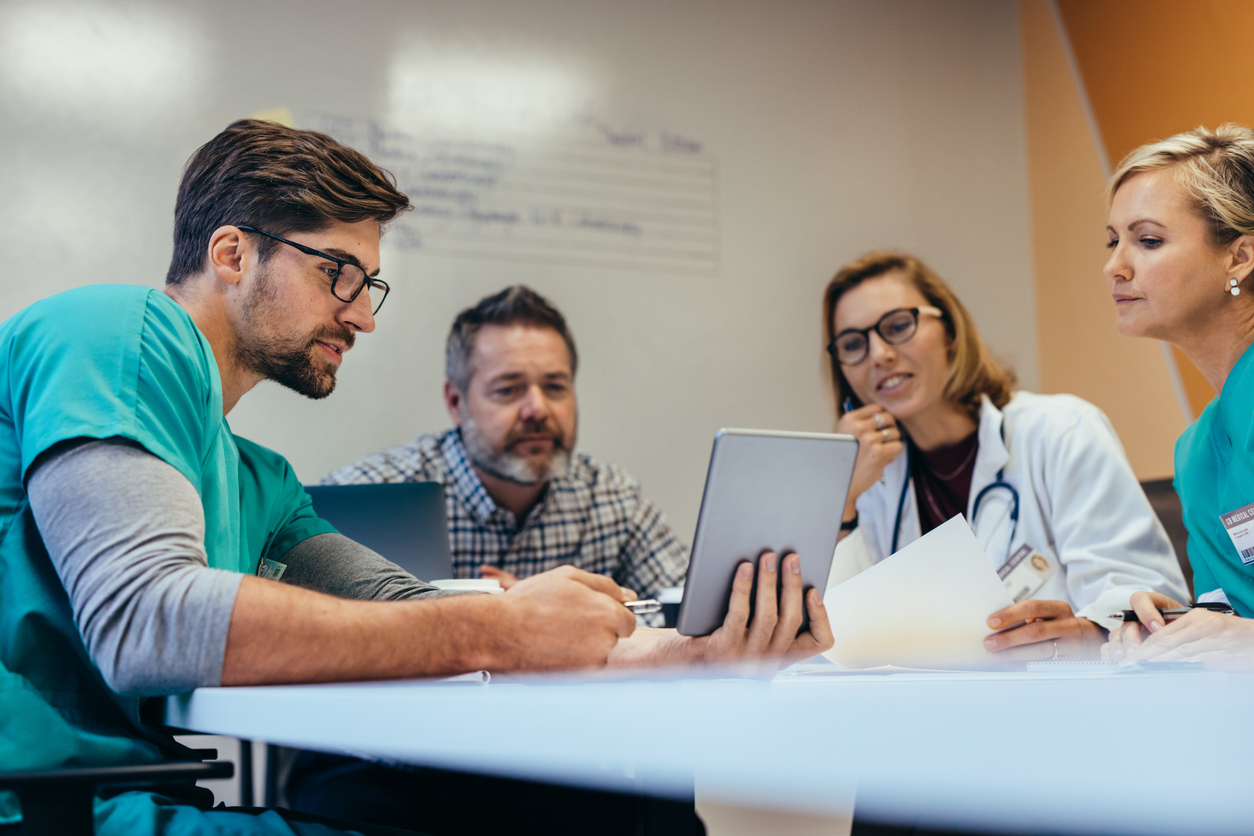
472	678
927	606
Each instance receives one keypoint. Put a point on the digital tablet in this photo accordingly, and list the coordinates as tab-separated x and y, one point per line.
765	491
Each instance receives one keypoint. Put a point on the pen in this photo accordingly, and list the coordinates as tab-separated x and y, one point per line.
646	607
1129	616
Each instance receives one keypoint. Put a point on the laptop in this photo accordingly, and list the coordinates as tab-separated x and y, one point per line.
403	521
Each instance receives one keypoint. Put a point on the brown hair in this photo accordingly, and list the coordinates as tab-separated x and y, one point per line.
276	178
515	305
1215	169
972	370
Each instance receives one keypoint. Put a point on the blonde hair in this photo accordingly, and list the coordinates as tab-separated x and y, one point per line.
1214	168
972	370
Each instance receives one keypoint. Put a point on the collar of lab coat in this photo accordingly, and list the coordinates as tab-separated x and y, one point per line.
992	455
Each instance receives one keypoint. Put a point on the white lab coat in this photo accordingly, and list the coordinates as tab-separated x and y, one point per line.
1079	503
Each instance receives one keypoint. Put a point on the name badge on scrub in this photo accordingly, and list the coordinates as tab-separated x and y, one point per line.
1240	527
271	569
1026	571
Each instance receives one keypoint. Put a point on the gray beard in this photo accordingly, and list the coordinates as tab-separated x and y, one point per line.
507	464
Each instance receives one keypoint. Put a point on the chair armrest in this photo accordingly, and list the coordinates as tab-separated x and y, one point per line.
115	776
59	802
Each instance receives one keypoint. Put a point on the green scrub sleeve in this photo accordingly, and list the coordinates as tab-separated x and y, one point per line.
1203	580
72	377
282	513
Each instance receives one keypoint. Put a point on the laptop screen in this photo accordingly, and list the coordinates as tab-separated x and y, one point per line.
404	521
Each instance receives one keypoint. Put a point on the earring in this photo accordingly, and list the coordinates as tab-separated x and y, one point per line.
1236	291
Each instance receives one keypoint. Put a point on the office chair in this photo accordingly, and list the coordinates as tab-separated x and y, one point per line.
59	802
1166	504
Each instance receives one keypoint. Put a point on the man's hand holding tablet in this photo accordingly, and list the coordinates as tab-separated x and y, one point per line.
769	633
762	488
766	492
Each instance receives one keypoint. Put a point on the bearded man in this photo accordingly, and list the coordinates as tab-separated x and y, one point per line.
146	550
519	499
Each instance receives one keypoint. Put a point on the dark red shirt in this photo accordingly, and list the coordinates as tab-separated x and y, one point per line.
942	480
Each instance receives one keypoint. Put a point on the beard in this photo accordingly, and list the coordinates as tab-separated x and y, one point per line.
291	362
508	464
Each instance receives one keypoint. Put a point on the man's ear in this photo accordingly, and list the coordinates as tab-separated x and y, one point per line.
1241	258
453	401
228	253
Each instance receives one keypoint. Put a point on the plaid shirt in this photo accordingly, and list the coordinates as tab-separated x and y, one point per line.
592	517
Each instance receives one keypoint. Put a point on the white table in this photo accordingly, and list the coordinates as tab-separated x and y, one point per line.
1134	753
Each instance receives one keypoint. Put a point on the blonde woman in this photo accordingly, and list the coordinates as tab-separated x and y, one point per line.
1181	235
1042	479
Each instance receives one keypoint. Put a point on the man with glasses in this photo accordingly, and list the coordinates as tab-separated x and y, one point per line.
141	541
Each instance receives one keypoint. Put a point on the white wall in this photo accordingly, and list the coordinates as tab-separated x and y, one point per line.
837	127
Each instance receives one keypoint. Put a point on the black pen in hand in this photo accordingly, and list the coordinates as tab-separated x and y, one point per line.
1130	616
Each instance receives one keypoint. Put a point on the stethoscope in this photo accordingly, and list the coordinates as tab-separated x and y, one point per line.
999	482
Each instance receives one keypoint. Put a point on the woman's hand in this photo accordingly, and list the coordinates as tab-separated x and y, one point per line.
1225	642
879	442
1051	631
1150	620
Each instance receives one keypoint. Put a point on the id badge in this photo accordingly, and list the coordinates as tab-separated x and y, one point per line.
1240	527
1025	572
271	569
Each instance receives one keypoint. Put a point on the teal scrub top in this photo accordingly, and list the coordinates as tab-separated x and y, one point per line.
1215	475
100	362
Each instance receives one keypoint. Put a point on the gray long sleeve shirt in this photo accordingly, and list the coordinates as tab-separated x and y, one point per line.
125	531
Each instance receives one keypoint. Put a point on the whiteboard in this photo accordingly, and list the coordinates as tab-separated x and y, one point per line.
801	133
578	194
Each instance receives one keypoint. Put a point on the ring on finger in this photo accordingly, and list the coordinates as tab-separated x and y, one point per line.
886	435
879	420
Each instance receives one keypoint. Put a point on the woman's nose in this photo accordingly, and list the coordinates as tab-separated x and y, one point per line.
879	349
1115	268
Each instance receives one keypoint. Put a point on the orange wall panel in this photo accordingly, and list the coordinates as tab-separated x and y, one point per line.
1153	68
1080	350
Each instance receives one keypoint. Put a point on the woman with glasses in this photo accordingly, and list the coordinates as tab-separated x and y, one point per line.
1042	479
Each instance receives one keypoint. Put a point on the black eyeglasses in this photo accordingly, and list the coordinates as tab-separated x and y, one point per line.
347	281
851	346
